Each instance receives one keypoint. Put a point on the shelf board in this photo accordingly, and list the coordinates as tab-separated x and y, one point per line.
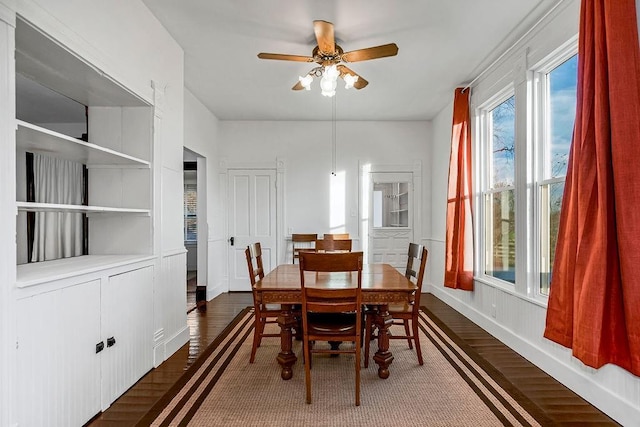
33	138
399	210
54	207
48	271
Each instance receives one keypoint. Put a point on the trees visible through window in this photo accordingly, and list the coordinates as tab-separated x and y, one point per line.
499	196
559	105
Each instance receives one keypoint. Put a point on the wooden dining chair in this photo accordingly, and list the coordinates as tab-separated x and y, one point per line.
263	313
336	236
330	245
402	314
331	313
302	242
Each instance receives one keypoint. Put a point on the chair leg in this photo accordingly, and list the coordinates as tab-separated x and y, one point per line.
307	369
358	374
258	328
407	333
416	338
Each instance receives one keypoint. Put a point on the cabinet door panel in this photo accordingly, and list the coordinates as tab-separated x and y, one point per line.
58	368
127	317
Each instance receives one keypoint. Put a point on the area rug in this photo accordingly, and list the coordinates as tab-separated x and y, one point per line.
451	389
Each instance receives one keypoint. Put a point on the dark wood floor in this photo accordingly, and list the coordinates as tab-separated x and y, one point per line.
559	405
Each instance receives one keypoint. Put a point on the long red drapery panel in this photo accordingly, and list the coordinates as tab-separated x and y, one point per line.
459	233
595	288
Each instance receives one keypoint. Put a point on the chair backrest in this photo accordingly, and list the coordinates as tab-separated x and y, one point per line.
306	240
330	245
254	262
416	259
336	236
328	299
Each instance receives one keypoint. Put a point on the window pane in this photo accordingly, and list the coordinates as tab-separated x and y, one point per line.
391	204
190	229
190	212
503	144
561	110
500	235
551	201
562	83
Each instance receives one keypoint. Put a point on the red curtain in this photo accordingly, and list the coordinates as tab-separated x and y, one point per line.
594	302
458	263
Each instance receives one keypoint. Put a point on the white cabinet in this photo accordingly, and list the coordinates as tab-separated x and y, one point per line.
82	346
58	368
127	331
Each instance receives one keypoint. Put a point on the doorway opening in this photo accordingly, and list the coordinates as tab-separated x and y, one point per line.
195	229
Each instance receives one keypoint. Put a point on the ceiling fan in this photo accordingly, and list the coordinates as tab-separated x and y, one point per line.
330	56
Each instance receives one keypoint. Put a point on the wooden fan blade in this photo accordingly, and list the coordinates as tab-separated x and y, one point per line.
360	83
390	49
283	57
325	37
297	86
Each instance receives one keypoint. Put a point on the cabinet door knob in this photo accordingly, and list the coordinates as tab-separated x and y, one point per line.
111	341
99	346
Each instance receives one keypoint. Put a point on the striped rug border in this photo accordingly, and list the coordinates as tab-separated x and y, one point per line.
524	401
159	406
220	353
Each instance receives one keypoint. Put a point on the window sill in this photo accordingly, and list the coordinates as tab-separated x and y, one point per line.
509	288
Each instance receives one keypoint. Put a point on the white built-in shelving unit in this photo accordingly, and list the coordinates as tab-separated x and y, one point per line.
84	323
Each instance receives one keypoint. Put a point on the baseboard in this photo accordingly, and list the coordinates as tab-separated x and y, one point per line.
174	343
214	291
624	412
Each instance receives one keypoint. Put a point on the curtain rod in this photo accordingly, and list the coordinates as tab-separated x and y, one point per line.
513	45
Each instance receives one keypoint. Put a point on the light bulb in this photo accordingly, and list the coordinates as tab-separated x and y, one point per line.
306	81
349	81
332	72
328	86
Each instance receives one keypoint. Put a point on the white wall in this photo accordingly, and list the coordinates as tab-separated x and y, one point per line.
305	149
516	320
201	137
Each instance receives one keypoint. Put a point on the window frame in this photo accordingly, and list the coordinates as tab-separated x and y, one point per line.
484	131
541	138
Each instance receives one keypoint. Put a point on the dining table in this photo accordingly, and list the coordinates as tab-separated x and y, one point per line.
382	284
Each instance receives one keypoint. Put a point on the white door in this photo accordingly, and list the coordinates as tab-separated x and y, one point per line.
252	218
391	217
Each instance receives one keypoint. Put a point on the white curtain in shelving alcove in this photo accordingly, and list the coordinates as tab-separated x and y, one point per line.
57	234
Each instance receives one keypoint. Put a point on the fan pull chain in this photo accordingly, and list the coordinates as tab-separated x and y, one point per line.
333	137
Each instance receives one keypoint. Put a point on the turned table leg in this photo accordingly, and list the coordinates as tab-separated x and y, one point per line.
286	358
383	356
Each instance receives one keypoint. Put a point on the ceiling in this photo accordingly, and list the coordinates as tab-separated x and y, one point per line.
442	44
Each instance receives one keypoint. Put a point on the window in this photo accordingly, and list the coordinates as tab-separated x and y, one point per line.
499	191
190	213
528	124
558	107
391	204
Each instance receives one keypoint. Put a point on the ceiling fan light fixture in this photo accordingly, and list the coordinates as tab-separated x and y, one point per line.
328	86
330	58
306	81
349	81
329	80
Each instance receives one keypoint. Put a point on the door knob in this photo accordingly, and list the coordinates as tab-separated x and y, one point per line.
231	240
